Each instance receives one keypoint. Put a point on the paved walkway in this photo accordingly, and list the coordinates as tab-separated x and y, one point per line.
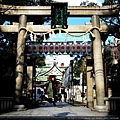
63	111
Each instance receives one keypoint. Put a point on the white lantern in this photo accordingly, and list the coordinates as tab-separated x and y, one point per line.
35	48
57	48
73	48
40	48
78	48
67	48
29	48
51	48
83	47
46	48
62	48
89	48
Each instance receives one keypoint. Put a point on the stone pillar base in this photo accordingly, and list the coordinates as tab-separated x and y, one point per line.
99	108
90	104
19	107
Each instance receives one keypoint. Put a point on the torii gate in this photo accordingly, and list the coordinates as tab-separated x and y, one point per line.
79	11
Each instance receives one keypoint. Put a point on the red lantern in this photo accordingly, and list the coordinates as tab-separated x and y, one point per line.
51	48
83	48
57	48
73	48
78	47
40	48
89	48
29	48
62	48
35	48
67	48
46	48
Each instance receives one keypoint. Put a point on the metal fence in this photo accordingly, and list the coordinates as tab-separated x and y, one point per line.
6	104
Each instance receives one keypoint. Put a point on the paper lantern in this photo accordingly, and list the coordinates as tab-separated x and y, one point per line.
57	48
62	48
83	47
51	48
78	48
29	48
89	48
35	48
73	48
46	48
68	48
40	48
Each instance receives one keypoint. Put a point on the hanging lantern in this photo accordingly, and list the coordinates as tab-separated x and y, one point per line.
29	48
83	47
62	48
46	48
51	48
57	48
40	48
73	48
68	48
89	48
78	48
35	48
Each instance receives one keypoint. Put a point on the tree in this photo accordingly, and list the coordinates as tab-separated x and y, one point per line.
8	45
87	3
108	20
77	68
113	20
8	40
108	61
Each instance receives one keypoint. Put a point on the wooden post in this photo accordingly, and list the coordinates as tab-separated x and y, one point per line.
98	66
20	60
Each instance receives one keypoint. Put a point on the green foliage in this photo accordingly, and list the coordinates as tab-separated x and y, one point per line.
27	2
77	68
110	2
108	60
7	62
40	61
112	20
87	3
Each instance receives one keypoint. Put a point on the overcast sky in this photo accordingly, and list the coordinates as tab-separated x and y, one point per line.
77	2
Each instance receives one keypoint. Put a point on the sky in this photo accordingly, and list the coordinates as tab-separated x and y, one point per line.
72	21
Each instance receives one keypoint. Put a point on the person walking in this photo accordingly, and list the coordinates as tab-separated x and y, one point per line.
51	90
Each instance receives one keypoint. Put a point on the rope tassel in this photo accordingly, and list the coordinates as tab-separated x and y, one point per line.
84	39
59	32
74	40
34	37
53	34
92	34
44	38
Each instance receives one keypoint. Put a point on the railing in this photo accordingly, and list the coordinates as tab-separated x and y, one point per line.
6	104
112	104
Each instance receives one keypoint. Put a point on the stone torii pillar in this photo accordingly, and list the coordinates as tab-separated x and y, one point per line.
98	66
89	83
20	62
